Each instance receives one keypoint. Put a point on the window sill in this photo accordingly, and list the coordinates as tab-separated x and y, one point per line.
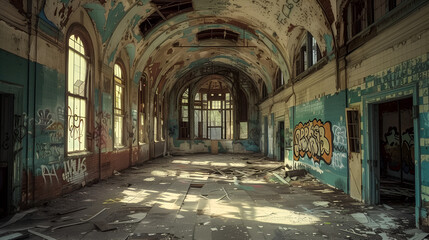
78	154
314	68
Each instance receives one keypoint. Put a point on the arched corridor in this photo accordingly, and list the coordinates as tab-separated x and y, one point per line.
340	89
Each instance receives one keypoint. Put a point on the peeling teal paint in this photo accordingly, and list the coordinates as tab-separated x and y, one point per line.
327	109
112	56
137	77
97	14
328	42
131	50
42	15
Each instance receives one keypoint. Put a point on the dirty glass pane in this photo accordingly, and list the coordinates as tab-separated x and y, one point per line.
77	73
118	131
76	120
243	130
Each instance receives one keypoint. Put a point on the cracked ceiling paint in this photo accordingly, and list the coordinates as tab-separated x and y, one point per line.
269	31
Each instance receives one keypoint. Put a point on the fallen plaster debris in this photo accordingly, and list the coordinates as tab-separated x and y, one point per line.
387	207
419	236
46	237
17	217
136	218
353	232
321	204
385	237
71	211
82	221
281	179
13	236
103	226
226	193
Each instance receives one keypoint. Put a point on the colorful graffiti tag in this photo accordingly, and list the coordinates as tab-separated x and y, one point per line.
314	139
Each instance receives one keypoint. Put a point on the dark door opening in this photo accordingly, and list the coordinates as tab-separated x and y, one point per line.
266	136
6	151
396	135
281	140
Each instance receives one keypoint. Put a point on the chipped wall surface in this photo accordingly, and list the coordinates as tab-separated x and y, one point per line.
320	141
33	68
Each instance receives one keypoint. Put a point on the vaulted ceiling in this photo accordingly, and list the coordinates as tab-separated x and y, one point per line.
160	36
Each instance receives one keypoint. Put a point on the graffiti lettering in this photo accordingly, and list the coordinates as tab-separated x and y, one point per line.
49	171
75	170
337	160
313	139
43	150
44	119
20	128
75	125
286	10
101	131
340	137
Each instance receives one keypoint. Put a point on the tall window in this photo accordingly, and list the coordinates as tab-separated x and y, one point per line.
363	13
280	81
155	117
142	107
214	113
78	74
119	106
184	115
308	54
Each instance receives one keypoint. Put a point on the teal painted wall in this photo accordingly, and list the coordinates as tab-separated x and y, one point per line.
308	142
391	84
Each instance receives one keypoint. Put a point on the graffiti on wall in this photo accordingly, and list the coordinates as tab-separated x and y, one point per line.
314	139
44	118
286	10
49	146
75	125
393	151
101	130
49	171
75	170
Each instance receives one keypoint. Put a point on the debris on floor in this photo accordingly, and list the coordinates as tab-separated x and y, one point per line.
212	197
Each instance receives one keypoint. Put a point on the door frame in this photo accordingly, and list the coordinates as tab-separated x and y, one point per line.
371	147
357	108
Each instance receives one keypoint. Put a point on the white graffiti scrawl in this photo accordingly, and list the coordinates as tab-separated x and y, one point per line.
49	171
75	170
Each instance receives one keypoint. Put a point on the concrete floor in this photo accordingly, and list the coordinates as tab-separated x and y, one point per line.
181	198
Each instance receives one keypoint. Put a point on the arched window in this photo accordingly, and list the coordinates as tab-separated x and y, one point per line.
119	83
264	91
213	112
78	75
280	81
184	115
308	54
155	116
142	107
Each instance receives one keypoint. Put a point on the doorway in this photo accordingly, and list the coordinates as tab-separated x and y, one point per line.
266	136
281	140
6	151
396	143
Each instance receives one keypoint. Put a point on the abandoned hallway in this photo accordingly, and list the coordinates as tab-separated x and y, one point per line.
225	196
143	111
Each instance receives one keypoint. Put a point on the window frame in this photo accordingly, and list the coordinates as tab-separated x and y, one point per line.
142	108
80	33
119	112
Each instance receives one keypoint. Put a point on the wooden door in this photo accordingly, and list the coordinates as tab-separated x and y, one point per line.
354	152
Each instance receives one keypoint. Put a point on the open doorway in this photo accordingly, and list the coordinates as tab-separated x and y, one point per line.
281	141
6	151
265	135
396	144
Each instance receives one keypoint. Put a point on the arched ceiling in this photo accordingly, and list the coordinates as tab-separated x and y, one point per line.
268	34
